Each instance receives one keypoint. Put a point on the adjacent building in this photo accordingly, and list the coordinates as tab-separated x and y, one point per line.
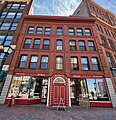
11	18
106	28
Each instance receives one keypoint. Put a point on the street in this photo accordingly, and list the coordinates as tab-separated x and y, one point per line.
41	112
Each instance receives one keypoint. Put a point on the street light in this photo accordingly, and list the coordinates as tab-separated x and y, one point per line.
7	49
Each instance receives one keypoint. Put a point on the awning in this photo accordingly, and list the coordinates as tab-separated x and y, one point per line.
1	75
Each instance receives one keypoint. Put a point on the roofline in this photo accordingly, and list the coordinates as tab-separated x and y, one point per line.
59	18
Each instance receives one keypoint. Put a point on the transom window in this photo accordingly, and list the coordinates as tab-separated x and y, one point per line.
44	62
23	61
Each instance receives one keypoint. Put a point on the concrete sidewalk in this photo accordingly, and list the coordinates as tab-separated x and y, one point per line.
41	112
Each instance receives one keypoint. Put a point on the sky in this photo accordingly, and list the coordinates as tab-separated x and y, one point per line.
67	7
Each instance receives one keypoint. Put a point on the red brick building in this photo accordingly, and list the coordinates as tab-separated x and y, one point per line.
106	28
58	58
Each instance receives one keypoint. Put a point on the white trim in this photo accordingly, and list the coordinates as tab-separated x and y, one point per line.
69	92
48	92
59	78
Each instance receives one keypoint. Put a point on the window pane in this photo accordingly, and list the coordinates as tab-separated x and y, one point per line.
8	40
5	26
72	45
27	43
97	90
47	31
87	32
74	63
59	45
82	45
59	31
36	44
46	44
95	63
71	31
33	61
44	62
84	64
79	32
1	39
39	30
59	63
23	62
31	30
91	45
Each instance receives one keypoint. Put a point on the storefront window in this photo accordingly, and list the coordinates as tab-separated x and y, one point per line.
29	87
97	90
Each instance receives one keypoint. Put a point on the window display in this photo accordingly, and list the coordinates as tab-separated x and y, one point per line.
29	87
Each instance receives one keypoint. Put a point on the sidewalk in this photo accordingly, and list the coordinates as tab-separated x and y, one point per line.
41	112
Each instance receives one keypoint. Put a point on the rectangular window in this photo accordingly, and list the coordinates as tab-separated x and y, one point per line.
2	55
19	14
22	6
71	31
59	45
59	31
59	63
14	26
112	45
44	62
82	45
72	45
39	30
91	46
3	15
27	43
15	6
79	32
87	32
47	30
23	61
46	44
1	39
104	41
95	63
8	40
8	5
5	26
84	62
97	90
36	44
31	30
110	60
11	15
74	65
33	62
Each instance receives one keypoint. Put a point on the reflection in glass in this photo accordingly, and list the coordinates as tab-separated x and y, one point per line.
97	90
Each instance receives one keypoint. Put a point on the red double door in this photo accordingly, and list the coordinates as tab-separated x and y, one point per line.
59	97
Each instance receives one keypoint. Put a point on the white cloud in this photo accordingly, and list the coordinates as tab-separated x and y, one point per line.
67	7
56	7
